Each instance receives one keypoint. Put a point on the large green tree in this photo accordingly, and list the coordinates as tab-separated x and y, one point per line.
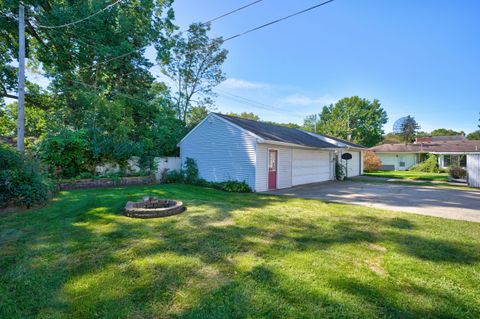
352	118
474	135
100	80
409	129
193	64
446	132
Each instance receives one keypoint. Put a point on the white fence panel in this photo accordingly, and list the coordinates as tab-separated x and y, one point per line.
473	169
170	163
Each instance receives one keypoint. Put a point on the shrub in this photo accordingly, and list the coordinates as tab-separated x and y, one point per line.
339	170
191	171
21	182
428	166
235	187
458	172
66	153
371	162
174	176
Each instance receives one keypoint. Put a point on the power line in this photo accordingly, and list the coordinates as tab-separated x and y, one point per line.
278	20
249	102
232	12
81	20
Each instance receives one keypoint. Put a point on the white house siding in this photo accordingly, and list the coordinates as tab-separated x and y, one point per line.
284	167
394	159
310	166
222	151
354	165
473	169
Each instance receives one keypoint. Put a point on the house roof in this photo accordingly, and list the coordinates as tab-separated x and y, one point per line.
460	146
278	133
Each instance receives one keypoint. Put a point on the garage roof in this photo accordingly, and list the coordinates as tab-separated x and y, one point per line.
278	133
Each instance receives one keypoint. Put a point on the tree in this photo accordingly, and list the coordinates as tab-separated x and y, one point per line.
193	64
351	118
446	132
99	76
245	115
289	125
392	138
409	129
196	115
474	135
371	161
35	120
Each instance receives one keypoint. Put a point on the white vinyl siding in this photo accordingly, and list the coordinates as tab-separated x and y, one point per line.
222	151
284	167
397	159
473	169
353	165
310	166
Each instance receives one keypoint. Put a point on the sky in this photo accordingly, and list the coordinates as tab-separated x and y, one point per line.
418	58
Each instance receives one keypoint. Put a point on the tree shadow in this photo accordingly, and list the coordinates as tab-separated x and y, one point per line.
86	242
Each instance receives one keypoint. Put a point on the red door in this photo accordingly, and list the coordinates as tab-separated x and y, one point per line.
272	169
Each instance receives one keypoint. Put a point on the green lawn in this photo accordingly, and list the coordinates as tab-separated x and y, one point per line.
443	177
234	256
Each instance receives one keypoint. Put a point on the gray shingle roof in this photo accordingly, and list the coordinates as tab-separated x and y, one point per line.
278	133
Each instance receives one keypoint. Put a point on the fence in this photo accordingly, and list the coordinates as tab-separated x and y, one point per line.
170	163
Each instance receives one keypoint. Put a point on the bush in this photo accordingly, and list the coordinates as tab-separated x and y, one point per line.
190	176
428	166
174	176
21	182
191	171
66	153
371	162
339	170
457	172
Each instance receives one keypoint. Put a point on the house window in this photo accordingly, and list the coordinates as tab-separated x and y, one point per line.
402	164
454	160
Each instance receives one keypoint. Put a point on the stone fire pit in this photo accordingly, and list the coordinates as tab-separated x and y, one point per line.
152	207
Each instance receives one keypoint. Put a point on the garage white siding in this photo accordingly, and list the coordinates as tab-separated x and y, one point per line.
221	150
473	169
284	167
309	166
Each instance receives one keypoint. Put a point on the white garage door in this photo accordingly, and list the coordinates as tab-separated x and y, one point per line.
310	167
353	164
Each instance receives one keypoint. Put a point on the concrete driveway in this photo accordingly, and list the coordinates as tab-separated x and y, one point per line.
426	200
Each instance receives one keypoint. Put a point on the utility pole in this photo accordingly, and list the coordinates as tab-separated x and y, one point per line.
21	79
315	123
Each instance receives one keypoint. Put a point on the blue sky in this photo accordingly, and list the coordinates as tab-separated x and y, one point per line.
417	57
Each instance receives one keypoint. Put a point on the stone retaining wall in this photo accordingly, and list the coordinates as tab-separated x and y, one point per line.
106	182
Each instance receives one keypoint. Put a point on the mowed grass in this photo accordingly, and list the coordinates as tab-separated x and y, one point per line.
234	256
422	176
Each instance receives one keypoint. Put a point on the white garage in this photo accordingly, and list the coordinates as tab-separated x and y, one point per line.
263	155
310	167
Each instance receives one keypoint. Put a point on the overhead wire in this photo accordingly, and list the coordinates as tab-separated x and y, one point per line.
277	20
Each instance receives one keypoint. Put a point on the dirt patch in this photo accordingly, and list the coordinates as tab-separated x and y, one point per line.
376	268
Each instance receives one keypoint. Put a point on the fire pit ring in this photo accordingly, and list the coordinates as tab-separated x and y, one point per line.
152	207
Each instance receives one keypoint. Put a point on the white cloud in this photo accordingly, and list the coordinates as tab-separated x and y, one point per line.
299	99
233	83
